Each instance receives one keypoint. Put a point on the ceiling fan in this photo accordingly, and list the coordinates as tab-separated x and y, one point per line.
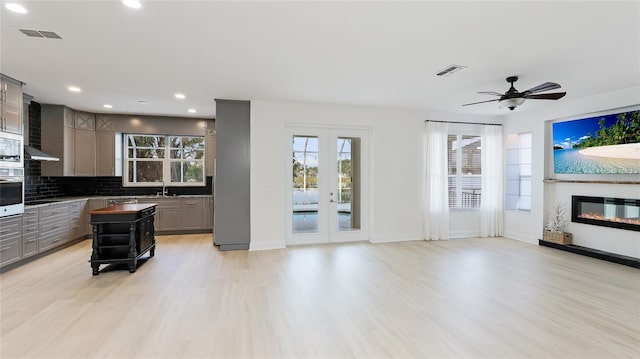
513	98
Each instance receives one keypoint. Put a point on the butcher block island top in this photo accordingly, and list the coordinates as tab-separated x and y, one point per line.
123	208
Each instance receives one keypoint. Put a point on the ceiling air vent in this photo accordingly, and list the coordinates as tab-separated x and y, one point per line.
450	70
40	33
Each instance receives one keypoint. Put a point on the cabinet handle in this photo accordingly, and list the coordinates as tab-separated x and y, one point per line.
4	249
33	240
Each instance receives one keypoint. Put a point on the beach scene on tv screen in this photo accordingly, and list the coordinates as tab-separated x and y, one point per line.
598	145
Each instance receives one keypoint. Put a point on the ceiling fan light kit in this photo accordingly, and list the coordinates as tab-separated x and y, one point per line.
514	98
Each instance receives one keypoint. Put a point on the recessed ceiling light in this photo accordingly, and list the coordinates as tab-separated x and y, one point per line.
16	8
74	89
106	105
192	110
134	4
180	96
142	102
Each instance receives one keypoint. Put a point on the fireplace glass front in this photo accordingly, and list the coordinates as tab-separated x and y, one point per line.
622	213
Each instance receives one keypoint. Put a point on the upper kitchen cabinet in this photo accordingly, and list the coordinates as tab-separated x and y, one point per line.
84	121
11	103
85	153
85	143
58	139
105	145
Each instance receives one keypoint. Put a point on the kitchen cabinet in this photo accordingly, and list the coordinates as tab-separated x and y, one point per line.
96	203
105	153
193	212
170	215
208	219
78	217
57	123
122	233
84	121
10	239
85	153
71	137
105	123
53	226
30	220
176	214
10	105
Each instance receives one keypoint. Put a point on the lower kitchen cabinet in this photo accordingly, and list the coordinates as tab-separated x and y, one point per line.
170	215
79	220
193	212
10	239
30	220
54	226
175	214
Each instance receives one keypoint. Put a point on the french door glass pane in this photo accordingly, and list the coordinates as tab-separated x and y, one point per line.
348	190
305	184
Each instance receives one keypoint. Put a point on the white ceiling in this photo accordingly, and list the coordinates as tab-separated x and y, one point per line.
362	53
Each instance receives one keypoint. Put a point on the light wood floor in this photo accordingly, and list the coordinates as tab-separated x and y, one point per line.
459	298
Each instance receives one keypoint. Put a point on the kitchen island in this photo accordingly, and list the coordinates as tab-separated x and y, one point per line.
122	233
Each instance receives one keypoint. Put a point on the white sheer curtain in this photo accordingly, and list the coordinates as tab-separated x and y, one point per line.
436	199
492	203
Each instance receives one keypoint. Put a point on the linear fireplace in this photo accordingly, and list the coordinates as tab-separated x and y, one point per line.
622	213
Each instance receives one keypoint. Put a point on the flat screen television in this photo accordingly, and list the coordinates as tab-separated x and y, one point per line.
607	144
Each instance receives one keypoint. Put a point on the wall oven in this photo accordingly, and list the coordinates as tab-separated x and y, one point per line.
11	191
11	150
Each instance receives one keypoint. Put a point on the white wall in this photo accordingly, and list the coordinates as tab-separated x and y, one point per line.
528	226
396	167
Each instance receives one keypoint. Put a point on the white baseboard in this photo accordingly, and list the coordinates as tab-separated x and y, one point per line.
522	237
397	238
464	234
265	246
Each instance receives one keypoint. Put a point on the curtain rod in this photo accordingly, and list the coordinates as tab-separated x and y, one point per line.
467	123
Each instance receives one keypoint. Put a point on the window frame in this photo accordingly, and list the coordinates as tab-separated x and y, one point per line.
459	176
166	161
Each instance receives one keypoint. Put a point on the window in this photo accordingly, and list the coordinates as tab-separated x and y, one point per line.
464	171
518	175
156	160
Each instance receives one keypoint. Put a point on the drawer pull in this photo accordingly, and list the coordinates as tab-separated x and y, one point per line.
31	241
4	249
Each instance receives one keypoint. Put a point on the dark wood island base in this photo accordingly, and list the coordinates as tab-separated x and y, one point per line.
122	234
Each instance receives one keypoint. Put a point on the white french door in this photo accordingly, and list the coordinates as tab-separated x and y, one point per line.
328	185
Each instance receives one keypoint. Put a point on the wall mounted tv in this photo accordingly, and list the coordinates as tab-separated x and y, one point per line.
607	144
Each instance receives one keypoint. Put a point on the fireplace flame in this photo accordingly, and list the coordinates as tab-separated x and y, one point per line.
600	217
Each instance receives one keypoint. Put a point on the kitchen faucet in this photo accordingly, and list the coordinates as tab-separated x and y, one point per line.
165	191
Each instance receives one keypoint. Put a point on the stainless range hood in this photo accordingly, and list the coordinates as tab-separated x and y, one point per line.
32	153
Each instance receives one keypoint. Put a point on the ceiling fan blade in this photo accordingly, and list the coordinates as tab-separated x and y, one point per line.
490	93
544	87
475	103
546	96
